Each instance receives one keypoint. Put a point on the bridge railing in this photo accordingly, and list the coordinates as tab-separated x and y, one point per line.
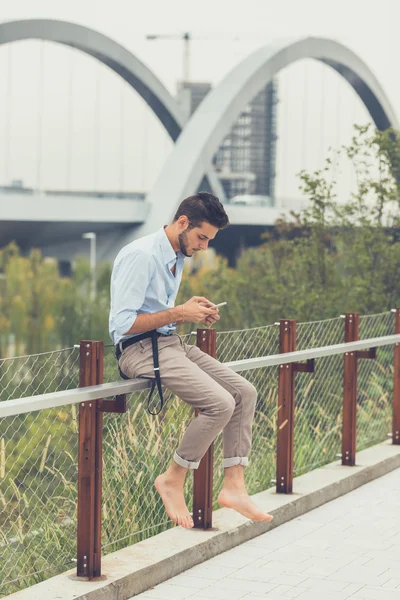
45	498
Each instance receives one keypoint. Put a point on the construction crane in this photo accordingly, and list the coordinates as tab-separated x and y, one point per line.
186	37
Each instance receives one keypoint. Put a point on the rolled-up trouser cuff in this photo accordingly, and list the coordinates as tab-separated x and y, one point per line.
186	464
235	460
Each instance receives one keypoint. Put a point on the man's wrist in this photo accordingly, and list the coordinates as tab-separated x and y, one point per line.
178	314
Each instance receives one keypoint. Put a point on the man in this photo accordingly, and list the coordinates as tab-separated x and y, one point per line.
143	318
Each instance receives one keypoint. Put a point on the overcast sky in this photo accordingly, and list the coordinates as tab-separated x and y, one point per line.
105	137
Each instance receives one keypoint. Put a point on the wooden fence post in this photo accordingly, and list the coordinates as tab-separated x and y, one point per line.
349	426
396	384
286	407
285	441
350	389
90	464
203	476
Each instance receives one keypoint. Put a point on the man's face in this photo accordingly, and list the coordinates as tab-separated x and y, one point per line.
196	239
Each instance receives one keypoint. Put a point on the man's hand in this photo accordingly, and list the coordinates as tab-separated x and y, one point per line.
198	310
211	320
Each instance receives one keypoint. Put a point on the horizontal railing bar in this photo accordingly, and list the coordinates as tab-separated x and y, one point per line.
299	355
18	406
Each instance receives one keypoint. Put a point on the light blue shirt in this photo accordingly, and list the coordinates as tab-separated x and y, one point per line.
142	282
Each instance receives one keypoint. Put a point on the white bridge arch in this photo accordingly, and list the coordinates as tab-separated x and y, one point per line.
212	120
198	139
116	57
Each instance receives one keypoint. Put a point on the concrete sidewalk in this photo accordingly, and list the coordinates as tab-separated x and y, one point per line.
348	548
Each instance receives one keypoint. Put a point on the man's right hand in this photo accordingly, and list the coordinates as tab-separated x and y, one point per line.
197	310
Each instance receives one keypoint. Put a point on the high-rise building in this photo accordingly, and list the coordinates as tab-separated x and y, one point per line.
246	159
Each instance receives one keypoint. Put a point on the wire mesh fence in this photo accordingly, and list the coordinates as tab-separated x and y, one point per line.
39	450
240	345
319	399
318	415
319	333
38	496
318	410
137	448
39	373
247	343
375	383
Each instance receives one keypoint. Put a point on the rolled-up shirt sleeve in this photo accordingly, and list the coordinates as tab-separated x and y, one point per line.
129	282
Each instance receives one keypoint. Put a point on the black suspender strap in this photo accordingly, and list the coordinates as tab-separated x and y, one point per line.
157	378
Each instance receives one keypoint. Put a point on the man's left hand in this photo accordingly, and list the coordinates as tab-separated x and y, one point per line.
211	319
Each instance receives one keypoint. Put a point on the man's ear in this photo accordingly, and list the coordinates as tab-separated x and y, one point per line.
183	222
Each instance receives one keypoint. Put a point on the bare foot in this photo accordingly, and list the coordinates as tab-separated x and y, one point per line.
240	501
172	495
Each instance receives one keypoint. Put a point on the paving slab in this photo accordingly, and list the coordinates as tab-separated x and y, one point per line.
369	573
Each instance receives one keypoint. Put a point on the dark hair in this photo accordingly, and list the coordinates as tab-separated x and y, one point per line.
203	207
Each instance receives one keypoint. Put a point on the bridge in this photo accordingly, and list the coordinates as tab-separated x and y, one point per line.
55	221
59	221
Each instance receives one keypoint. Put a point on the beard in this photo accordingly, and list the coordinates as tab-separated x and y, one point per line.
184	244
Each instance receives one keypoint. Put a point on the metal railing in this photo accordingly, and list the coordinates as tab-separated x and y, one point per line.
41	487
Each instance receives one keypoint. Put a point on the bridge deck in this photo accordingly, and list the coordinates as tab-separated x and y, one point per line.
347	549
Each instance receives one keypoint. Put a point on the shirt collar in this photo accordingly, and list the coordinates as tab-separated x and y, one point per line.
168	252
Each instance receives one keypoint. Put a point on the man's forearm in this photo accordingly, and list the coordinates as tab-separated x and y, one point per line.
147	322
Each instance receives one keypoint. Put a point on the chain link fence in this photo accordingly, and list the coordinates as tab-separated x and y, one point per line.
319	398
39	450
38	496
375	383
240	345
38	471
136	448
39	373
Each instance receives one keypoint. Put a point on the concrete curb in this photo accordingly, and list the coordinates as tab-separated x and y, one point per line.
139	567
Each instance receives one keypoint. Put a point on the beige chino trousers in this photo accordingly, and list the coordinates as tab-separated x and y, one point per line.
225	399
